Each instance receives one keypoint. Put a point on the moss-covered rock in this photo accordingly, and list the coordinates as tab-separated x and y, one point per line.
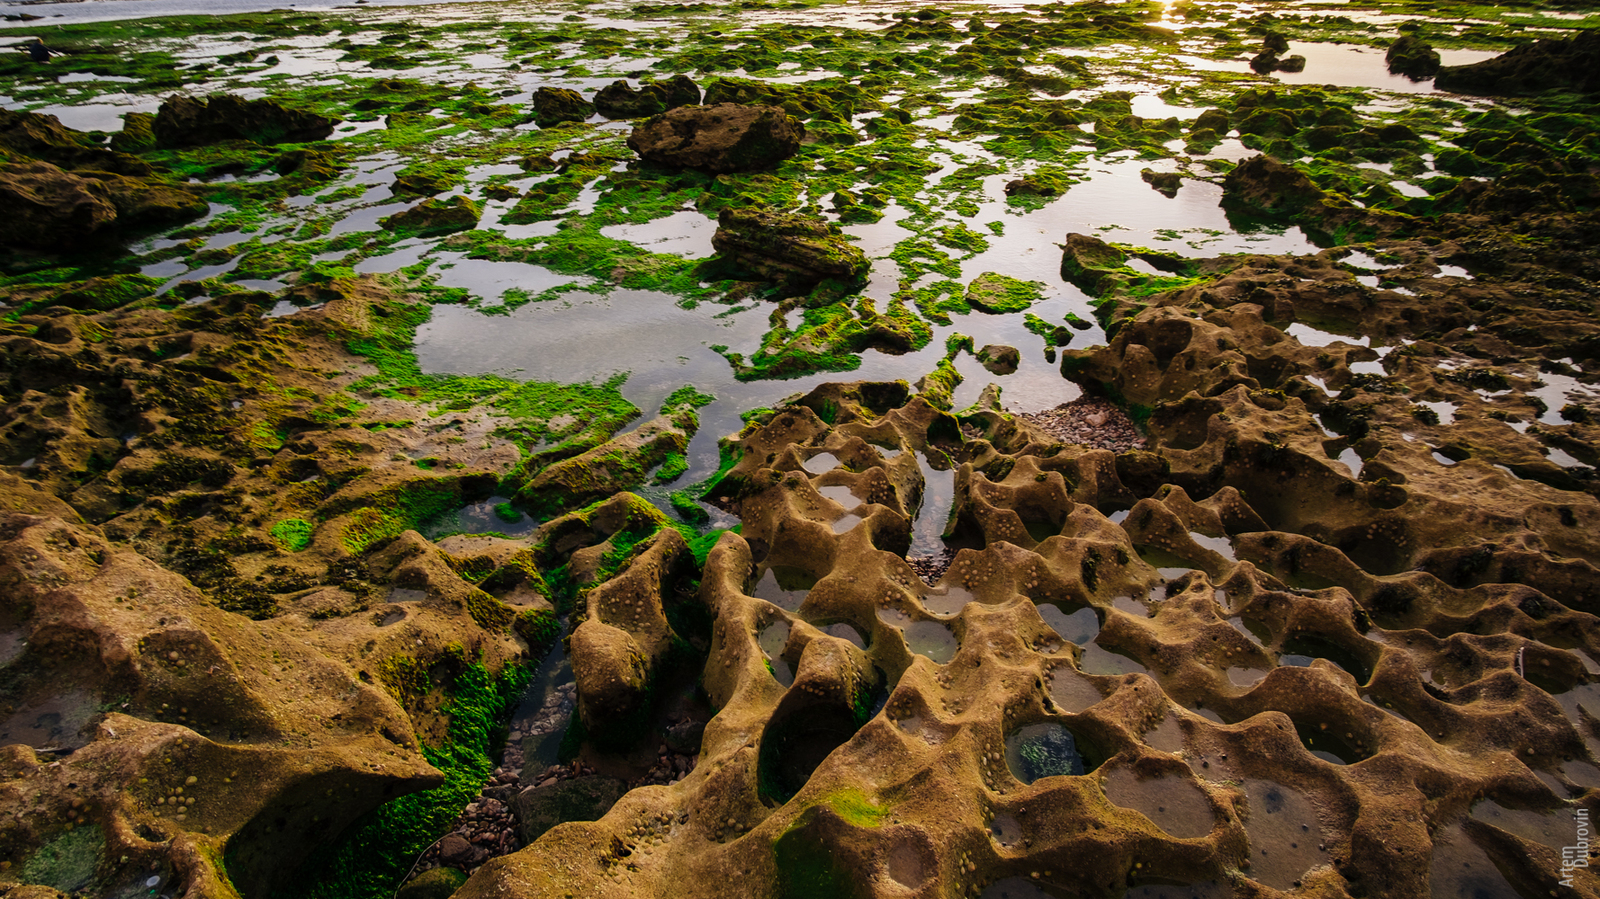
190	122
32	135
1571	64
432	216
555	105
1409	55
137	134
618	100
48	208
1090	263
1002	294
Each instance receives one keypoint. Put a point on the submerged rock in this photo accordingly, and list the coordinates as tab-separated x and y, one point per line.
1165	182
1411	57
1000	359
1571	64
48	208
554	105
188	122
439	883
718	139
618	100
436	217
793	250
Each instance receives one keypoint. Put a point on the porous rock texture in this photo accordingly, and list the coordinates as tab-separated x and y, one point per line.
726	137
1330	631
191	122
181	683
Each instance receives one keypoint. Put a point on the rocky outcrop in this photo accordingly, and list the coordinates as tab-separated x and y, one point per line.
1569	64
166	728
1090	263
619	464
47	208
718	139
247	688
1264	184
555	105
44	138
432	216
793	250
1409	55
191	122
1198	714
618	100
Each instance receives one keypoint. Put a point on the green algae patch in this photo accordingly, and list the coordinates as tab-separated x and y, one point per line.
293	534
372	857
831	338
392	512
67	862
1001	294
687	505
856	807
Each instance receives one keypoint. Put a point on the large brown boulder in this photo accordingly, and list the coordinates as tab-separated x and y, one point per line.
793	250
50	208
47	206
724	138
188	122
1554	64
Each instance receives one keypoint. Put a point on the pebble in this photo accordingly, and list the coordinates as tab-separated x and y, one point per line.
1088	421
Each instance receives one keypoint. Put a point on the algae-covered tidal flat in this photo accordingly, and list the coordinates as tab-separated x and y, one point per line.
798	449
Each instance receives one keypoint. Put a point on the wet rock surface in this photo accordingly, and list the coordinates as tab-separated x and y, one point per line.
1410	55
